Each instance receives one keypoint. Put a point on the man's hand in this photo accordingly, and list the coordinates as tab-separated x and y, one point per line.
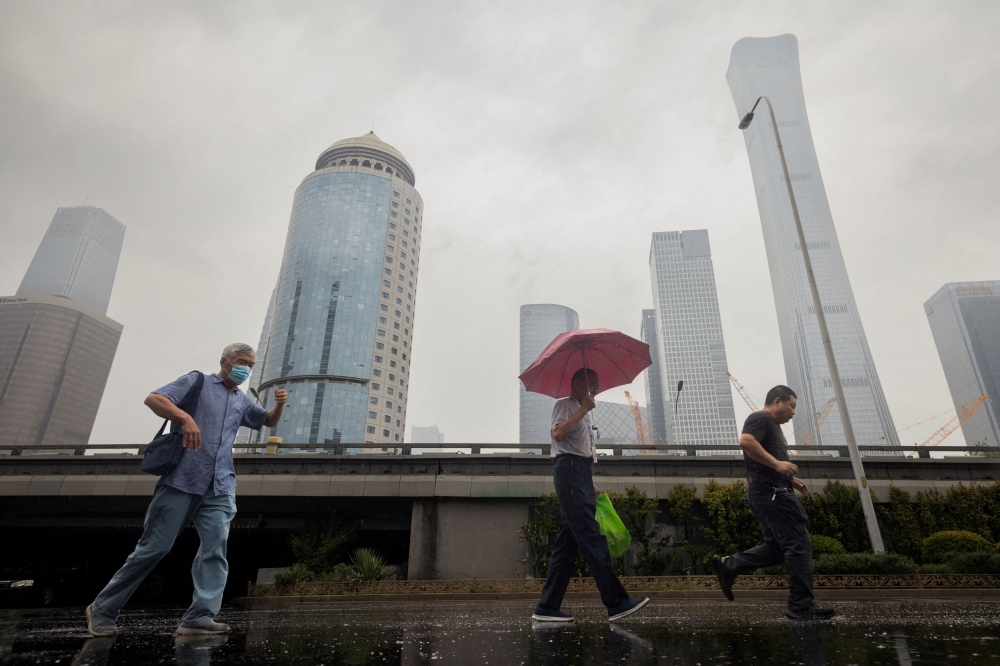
274	414
588	403
192	435
800	486
786	468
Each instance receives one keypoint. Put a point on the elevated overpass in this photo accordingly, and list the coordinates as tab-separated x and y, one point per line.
449	515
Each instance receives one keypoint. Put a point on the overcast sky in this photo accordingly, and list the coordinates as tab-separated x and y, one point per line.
549	141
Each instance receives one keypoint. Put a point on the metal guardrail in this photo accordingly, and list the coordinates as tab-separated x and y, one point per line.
477	449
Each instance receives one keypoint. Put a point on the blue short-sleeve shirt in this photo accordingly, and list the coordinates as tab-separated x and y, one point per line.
219	414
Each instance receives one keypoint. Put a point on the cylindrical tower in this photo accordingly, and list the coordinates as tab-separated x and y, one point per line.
340	336
540	324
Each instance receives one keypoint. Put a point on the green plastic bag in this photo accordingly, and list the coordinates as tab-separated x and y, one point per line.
611	526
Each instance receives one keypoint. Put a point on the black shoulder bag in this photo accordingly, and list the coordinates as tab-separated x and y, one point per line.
164	453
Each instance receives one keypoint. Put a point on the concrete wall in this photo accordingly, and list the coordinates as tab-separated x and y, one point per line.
454	538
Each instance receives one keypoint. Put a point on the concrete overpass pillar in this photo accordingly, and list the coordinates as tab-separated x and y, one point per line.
455	538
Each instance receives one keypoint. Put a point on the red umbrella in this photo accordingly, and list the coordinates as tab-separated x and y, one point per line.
615	357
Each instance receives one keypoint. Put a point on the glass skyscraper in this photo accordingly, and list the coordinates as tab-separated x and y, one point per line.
540	324
78	257
965	321
340	331
770	66
654	387
56	342
690	344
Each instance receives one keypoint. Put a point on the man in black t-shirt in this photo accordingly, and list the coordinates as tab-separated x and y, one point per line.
772	483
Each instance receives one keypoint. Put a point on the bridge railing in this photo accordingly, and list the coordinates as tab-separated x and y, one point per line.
617	450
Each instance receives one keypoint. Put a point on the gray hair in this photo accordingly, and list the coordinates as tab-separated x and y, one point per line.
237	348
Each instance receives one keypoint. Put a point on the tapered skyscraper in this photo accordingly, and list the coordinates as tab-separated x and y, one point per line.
770	66
690	347
965	322
340	329
56	342
78	258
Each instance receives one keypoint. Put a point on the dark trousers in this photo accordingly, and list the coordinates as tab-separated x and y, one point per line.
785	525
578	529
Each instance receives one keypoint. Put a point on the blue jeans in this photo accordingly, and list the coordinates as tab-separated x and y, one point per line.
785	524
578	529
169	513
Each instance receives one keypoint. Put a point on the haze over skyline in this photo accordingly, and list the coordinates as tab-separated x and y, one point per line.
550	142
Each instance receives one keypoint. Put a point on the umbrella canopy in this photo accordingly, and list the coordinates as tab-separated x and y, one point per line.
615	357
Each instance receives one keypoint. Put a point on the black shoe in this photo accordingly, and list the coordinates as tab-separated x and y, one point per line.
543	614
626	607
812	613
725	578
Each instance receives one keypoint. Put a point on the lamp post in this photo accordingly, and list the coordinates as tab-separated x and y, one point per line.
852	446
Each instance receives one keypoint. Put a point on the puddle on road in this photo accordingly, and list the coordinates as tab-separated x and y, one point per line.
672	632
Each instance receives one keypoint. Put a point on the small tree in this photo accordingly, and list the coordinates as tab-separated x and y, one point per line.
836	512
681	506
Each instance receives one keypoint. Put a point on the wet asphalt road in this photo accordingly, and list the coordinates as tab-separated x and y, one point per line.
673	632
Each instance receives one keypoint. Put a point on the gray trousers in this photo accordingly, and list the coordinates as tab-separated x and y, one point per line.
786	541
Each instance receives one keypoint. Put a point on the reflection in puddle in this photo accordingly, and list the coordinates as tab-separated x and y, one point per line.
678	633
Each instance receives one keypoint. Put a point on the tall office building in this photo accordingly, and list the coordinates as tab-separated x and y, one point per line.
427	435
78	258
56	342
965	322
690	344
655	421
540	324
770	66
340	332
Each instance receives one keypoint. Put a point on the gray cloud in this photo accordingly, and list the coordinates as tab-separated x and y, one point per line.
549	140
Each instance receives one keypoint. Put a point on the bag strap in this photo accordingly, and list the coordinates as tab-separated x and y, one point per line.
189	403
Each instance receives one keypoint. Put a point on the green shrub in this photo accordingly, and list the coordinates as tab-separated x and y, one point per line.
935	569
731	527
367	565
823	545
900	527
863	563
937	546
835	511
972	563
297	573
634	508
322	545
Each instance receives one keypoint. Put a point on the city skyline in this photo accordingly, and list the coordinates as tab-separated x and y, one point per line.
545	173
341	318
770	66
690	343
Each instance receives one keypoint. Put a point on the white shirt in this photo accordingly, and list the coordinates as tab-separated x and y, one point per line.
579	442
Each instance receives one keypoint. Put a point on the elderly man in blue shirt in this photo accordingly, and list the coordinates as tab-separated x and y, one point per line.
200	490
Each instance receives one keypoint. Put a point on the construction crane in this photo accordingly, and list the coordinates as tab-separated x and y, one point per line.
747	398
817	422
956	421
637	415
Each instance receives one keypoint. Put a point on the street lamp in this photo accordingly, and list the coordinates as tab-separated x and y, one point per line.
852	446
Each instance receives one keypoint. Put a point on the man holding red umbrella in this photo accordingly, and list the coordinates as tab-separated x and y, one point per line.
574	453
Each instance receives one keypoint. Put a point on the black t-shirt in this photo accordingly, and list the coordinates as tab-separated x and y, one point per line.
760	478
